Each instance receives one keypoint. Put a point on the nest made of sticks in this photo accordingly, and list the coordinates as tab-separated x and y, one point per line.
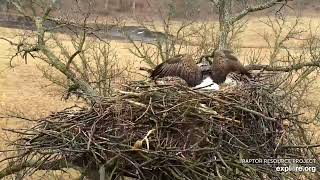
167	132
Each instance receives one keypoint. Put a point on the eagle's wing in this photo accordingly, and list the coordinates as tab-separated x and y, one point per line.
224	62
236	66
182	66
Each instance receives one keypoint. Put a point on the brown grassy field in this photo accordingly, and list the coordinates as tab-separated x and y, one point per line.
23	89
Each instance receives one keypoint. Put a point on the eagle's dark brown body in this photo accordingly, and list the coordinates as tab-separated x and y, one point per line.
183	66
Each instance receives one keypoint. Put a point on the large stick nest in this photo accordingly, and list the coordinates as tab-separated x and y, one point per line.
174	132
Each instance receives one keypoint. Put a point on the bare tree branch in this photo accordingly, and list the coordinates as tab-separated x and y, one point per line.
303	146
259	7
289	68
41	47
81	44
52	165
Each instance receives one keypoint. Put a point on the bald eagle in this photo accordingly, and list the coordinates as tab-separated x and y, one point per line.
219	64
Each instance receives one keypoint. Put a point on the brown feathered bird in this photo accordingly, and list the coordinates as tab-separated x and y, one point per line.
222	63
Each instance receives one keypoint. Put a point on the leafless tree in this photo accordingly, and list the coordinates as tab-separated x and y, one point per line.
229	16
91	63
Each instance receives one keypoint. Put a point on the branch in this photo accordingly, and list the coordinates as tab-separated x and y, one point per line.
259	7
256	113
251	67
21	50
148	70
11	42
52	165
19	8
289	68
52	58
72	57
303	146
81	43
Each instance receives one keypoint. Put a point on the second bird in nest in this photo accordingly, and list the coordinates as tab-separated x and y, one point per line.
214	69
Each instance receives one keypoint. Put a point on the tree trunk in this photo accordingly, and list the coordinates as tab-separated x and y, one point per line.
106	4
89	92
224	24
134	7
120	5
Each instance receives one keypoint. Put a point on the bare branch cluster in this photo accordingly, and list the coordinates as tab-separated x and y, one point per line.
228	18
89	67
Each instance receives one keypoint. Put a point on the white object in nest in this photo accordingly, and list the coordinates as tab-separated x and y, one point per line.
208	84
140	32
